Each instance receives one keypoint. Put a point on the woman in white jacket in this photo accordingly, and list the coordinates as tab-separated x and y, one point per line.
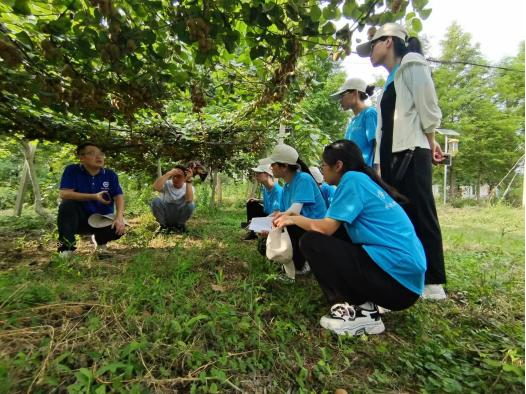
408	115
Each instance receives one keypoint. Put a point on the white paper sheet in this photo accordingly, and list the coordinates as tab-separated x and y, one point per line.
259	225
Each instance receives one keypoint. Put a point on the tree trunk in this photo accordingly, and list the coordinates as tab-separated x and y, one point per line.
28	150
478	188
212	186
22	189
219	189
159	168
252	188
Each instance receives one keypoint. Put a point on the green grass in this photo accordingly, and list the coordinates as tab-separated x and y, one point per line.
204	312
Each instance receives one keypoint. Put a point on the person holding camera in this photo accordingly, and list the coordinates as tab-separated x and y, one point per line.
89	192
175	204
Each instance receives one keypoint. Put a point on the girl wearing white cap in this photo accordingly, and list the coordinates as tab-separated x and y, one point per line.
272	193
405	138
362	128
364	253
301	194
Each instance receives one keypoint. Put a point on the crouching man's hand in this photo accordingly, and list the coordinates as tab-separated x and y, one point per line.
118	225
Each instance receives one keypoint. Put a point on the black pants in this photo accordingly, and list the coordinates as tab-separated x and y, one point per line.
254	210
416	185
298	257
346	273
72	219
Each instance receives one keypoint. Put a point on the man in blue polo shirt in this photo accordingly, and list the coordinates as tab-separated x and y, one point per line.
86	189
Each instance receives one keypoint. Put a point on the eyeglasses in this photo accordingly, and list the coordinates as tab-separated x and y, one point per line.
346	93
94	154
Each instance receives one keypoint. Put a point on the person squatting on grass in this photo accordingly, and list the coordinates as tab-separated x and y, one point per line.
272	193
86	189
301	195
408	115
374	259
175	204
362	127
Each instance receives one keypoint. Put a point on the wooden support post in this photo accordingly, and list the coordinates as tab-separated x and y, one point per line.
22	189
28	150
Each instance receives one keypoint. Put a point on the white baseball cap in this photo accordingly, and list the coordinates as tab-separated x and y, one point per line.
282	153
351	84
263	168
387	30
316	173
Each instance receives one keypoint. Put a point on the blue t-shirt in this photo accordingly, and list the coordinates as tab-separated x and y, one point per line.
372	218
272	198
362	131
391	76
327	191
304	189
76	177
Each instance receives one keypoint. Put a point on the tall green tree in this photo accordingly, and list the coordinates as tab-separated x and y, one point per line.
471	103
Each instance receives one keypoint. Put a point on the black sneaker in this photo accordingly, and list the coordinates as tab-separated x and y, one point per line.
262	246
250	236
179	229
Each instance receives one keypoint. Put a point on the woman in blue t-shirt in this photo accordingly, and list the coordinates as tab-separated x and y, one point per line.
271	191
301	195
362	127
374	259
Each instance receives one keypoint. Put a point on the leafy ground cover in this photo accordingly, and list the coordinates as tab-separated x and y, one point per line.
204	312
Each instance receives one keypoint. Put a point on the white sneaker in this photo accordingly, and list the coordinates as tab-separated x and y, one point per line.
345	319
66	254
290	270
101	251
434	292
305	270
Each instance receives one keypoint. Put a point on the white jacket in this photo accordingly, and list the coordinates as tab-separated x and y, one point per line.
416	109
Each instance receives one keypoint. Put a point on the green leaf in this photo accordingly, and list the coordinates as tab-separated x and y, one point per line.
328	28
101	389
424	14
21	7
111	367
24	38
329	12
84	376
410	15
180	77
348	8
315	13
419	4
416	25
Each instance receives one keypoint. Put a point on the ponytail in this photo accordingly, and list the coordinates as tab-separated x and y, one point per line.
369	90
402	48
